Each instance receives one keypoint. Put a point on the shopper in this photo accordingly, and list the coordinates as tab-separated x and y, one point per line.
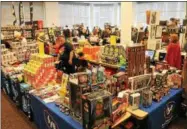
87	33
5	42
173	56
57	45
23	41
185	45
81	63
66	56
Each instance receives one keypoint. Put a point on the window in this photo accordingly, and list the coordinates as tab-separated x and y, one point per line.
90	13
167	10
74	13
7	18
106	13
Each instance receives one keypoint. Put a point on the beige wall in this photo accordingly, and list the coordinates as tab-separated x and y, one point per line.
52	15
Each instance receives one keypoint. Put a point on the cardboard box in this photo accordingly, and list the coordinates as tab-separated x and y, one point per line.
134	101
97	109
75	92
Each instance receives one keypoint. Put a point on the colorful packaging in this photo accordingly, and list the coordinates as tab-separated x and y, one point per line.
97	109
134	101
147	98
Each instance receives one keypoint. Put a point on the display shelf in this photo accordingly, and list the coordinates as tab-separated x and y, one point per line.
104	64
9	33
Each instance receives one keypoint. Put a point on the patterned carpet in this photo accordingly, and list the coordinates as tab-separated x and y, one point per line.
12	118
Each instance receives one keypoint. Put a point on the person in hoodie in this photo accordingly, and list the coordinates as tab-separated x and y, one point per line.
173	56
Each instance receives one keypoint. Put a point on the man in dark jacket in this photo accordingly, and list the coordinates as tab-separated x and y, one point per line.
66	56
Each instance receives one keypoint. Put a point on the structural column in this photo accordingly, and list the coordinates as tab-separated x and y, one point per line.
52	14
126	22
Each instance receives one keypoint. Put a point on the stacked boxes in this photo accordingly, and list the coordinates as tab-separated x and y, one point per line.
113	54
136	60
91	52
40	70
78	85
7	57
22	49
33	47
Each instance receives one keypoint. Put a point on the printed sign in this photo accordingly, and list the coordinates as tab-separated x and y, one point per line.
168	113
24	104
51	124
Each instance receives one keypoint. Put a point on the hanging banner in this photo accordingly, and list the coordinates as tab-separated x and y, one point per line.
21	14
14	14
31	12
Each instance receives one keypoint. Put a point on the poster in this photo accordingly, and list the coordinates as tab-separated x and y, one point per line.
154	18
152	32
154	44
158	33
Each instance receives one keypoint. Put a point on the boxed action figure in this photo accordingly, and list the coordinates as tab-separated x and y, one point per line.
134	101
122	81
147	98
139	82
97	109
174	80
110	85
111	54
75	93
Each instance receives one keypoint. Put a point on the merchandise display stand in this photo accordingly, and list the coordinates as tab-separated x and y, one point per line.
104	64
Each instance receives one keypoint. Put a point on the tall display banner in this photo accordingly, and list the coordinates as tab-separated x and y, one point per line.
14	14
155	31
31	12
21	14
